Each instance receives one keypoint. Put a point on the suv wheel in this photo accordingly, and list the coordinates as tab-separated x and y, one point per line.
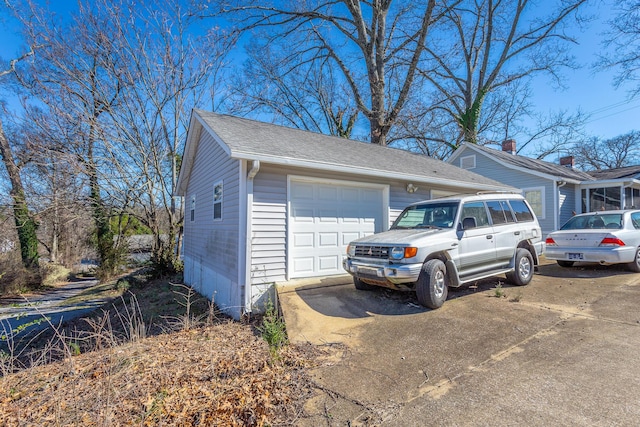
523	268
361	286
432	288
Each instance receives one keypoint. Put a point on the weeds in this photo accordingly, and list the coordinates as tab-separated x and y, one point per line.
273	329
498	291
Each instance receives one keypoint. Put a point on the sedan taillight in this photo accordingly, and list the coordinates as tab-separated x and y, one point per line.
611	241
550	242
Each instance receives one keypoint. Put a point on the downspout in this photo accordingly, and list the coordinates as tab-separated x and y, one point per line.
251	174
559	185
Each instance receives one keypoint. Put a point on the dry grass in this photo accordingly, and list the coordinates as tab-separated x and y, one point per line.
155	361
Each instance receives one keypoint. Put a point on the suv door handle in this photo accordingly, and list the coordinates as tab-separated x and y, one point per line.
517	233
489	236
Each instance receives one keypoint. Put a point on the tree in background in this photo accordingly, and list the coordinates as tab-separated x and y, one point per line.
26	224
375	47
598	154
623	45
481	56
306	96
168	72
119	80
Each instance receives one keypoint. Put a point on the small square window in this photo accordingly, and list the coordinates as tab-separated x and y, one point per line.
468	162
217	201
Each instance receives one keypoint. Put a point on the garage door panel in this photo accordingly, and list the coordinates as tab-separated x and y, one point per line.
328	239
333	215
303	266
302	214
302	191
327	193
303	240
328	215
328	263
370	195
350	237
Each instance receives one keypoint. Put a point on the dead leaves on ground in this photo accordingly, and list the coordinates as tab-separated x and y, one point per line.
215	375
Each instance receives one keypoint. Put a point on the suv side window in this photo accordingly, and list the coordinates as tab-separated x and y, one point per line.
521	210
496	210
507	211
475	210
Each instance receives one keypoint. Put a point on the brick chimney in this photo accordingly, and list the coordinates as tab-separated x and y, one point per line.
509	146
568	161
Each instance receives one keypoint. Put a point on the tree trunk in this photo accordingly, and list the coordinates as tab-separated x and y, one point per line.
26	225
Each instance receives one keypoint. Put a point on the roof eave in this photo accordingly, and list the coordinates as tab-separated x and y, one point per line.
331	167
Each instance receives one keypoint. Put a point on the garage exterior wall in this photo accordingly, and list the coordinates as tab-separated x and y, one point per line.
269	217
211	246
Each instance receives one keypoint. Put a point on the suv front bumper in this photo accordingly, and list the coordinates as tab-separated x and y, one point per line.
393	273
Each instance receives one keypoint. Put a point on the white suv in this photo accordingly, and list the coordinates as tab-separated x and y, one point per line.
447	242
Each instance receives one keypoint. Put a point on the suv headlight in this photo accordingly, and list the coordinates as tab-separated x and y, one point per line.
351	250
396	253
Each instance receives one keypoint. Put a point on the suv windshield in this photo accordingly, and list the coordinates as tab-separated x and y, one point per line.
428	215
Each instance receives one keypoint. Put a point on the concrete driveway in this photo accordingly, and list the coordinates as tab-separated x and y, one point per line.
563	350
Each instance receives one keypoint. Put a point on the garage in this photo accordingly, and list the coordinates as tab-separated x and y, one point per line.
324	216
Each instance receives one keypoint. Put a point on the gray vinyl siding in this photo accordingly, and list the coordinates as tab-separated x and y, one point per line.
269	216
567	202
269	227
211	247
494	170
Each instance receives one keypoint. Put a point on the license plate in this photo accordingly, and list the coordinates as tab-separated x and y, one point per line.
368	271
574	256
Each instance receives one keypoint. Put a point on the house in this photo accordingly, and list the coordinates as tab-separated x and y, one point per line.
554	191
266	204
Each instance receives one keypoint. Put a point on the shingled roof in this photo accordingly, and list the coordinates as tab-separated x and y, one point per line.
552	169
617	173
253	140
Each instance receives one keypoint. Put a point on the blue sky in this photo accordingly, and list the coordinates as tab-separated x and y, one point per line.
612	112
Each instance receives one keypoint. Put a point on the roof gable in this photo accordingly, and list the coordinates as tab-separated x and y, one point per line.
526	164
253	140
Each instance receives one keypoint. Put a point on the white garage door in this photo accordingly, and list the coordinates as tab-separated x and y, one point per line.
324	218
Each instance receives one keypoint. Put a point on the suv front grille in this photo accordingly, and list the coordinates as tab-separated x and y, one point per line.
372	251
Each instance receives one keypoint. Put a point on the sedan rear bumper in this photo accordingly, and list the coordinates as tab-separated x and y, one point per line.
602	255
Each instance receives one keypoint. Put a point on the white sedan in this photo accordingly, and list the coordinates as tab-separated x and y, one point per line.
607	237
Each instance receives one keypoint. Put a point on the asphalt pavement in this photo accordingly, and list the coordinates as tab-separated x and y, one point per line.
561	351
20	316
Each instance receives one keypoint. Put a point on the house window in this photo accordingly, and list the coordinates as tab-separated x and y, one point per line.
601	199
192	209
468	162
535	197
217	201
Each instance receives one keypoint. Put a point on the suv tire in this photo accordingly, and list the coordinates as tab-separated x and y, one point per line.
523	268
432	288
361	286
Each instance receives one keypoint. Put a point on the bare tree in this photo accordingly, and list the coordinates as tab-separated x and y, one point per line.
71	75
376	46
308	96
486	45
167	71
623	43
597	154
26	224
